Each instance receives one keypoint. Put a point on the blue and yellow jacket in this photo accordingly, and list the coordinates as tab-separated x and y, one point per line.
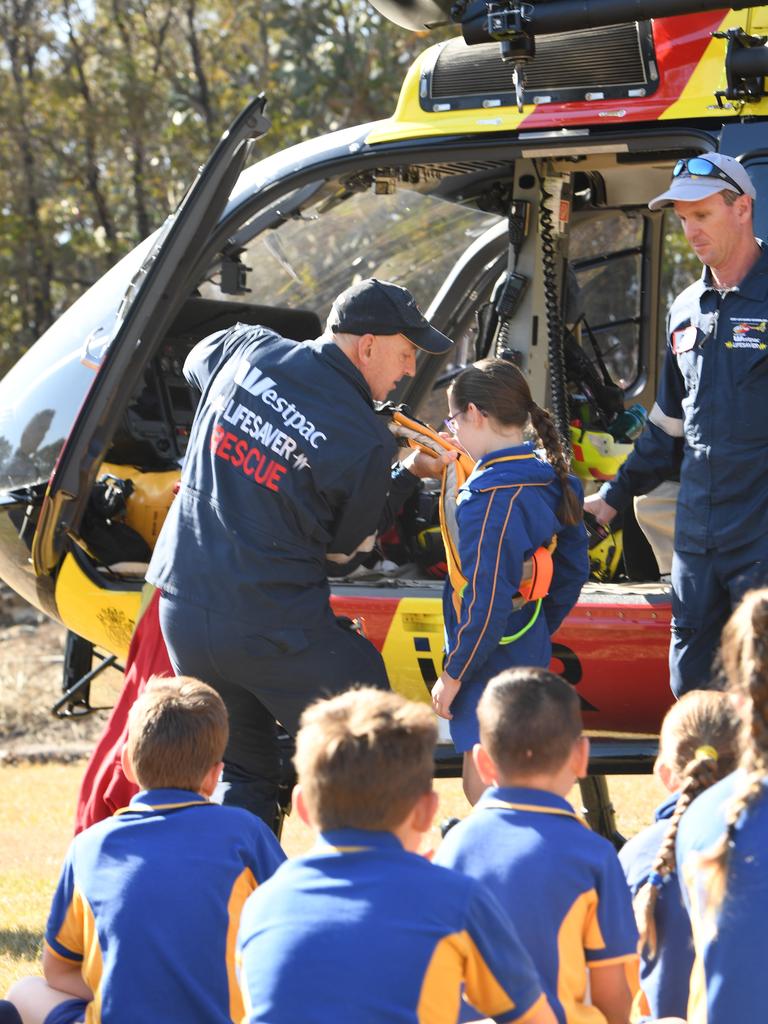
506	510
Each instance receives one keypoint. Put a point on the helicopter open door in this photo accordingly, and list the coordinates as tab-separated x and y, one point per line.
118	352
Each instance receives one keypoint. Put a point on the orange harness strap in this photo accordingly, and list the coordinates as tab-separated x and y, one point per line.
537	570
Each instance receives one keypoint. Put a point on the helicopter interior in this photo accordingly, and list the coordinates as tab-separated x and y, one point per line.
455	234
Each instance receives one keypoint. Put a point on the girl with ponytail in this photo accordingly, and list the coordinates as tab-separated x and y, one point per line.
722	843
697	747
522	546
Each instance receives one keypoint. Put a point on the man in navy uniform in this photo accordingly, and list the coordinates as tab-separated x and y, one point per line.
287	479
710	418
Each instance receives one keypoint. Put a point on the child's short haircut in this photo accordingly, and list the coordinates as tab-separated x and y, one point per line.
177	731
364	758
529	721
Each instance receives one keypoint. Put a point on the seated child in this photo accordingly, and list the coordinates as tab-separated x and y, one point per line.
722	844
143	923
697	746
362	928
561	884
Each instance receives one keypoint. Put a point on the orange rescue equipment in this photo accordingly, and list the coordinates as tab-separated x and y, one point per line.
537	570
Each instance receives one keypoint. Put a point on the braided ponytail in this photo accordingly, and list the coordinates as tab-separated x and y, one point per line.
700	775
744	655
569	510
697	743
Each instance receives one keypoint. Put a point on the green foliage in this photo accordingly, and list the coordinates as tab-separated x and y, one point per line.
108	108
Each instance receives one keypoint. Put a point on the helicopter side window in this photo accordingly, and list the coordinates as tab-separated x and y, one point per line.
606	255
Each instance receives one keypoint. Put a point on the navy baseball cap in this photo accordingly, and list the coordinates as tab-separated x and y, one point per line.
379	307
702	176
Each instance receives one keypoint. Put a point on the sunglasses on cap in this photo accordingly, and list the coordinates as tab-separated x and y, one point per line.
703	168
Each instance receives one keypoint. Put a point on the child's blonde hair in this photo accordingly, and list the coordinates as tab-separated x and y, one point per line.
364	757
744	656
177	732
698	741
529	721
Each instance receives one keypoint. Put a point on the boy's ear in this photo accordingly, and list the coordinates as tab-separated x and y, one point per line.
125	761
580	757
298	801
424	811
211	779
486	766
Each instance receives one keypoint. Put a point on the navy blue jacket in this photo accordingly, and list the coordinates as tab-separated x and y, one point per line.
664	979
287	473
505	511
711	412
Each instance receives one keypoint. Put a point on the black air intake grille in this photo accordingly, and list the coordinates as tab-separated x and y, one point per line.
593	59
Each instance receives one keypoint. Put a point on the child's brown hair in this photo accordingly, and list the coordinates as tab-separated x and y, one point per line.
744	655
499	389
529	721
177	731
698	742
364	757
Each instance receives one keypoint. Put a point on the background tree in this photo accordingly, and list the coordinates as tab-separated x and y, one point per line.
107	109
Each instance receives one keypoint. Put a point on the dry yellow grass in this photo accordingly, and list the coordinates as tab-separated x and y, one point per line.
36	816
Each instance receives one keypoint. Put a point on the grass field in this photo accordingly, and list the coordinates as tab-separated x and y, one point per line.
36	815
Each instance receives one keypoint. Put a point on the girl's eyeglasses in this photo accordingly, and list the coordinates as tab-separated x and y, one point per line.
703	168
453	426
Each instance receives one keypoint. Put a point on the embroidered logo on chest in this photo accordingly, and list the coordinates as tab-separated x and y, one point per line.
747	333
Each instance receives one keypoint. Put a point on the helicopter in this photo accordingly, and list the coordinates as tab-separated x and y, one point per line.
508	192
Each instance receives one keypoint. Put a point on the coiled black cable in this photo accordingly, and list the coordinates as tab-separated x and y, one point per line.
555	345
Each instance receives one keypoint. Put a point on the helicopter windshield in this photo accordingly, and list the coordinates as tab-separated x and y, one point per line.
406	237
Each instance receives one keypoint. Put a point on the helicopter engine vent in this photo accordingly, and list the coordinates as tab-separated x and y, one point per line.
606	63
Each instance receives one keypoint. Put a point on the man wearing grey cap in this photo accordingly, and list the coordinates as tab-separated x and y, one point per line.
710	419
287	477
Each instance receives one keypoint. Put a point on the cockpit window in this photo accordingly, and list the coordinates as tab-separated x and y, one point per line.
606	253
406	237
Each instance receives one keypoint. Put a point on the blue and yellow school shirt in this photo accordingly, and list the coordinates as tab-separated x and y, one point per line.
561	884
149	901
663	977
505	511
360	930
728	980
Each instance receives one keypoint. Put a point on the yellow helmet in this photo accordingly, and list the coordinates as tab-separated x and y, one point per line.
596	455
